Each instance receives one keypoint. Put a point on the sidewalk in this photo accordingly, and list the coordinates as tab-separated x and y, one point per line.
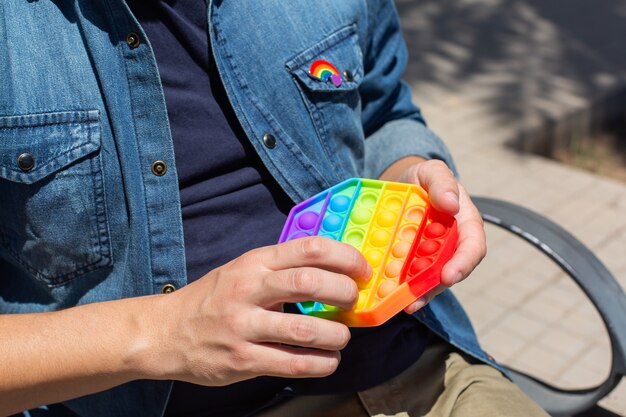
487	74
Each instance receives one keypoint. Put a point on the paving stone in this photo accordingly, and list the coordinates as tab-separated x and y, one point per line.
502	344
483	312
578	376
585	320
542	363
564	342
597	357
523	324
539	308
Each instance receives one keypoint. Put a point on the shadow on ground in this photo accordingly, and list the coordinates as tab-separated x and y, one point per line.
547	67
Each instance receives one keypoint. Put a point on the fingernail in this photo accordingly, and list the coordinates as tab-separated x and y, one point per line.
419	304
458	277
452	196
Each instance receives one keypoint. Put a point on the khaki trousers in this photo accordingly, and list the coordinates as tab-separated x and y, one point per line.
442	383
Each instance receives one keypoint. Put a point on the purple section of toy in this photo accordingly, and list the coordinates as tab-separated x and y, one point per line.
307	219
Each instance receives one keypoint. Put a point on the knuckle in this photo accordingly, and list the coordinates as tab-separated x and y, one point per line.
356	258
299	367
438	164
238	323
243	288
302	282
312	248
248	258
352	291
481	223
303	331
452	183
483	251
242	360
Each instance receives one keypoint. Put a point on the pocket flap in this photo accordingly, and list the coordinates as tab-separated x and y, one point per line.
52	140
342	50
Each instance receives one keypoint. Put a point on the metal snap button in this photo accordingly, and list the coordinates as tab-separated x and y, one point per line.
132	39
26	162
347	74
269	140
168	288
159	168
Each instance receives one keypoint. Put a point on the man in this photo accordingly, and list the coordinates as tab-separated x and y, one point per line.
108	156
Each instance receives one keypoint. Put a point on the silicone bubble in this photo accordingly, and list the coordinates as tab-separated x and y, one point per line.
360	216
386	288
428	247
368	199
340	203
401	249
434	230
307	220
355	237
386	218
332	223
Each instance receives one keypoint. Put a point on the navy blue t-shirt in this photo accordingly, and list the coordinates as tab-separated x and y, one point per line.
231	204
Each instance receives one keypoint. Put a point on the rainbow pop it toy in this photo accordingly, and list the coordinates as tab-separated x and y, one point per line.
405	240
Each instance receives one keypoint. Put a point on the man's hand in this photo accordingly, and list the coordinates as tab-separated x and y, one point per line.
225	327
446	195
229	325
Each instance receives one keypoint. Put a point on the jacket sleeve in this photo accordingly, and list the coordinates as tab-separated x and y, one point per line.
393	125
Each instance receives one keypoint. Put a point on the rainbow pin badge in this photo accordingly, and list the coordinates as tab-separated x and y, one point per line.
324	71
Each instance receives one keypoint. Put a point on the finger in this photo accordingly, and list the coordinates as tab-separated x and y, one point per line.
317	252
471	246
425	299
439	182
299	330
303	284
290	362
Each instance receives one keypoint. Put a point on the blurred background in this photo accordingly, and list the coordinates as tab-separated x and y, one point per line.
530	96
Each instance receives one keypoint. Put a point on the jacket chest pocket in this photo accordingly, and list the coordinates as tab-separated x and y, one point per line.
53	220
328	76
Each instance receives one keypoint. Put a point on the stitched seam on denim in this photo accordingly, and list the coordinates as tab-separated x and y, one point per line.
101	214
68	117
99	241
46	124
143	175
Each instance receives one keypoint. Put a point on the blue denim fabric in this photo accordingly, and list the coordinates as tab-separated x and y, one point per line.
91	222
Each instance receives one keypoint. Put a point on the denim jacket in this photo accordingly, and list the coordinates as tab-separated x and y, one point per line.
89	202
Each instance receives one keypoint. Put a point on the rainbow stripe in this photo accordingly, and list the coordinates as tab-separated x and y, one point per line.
323	70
